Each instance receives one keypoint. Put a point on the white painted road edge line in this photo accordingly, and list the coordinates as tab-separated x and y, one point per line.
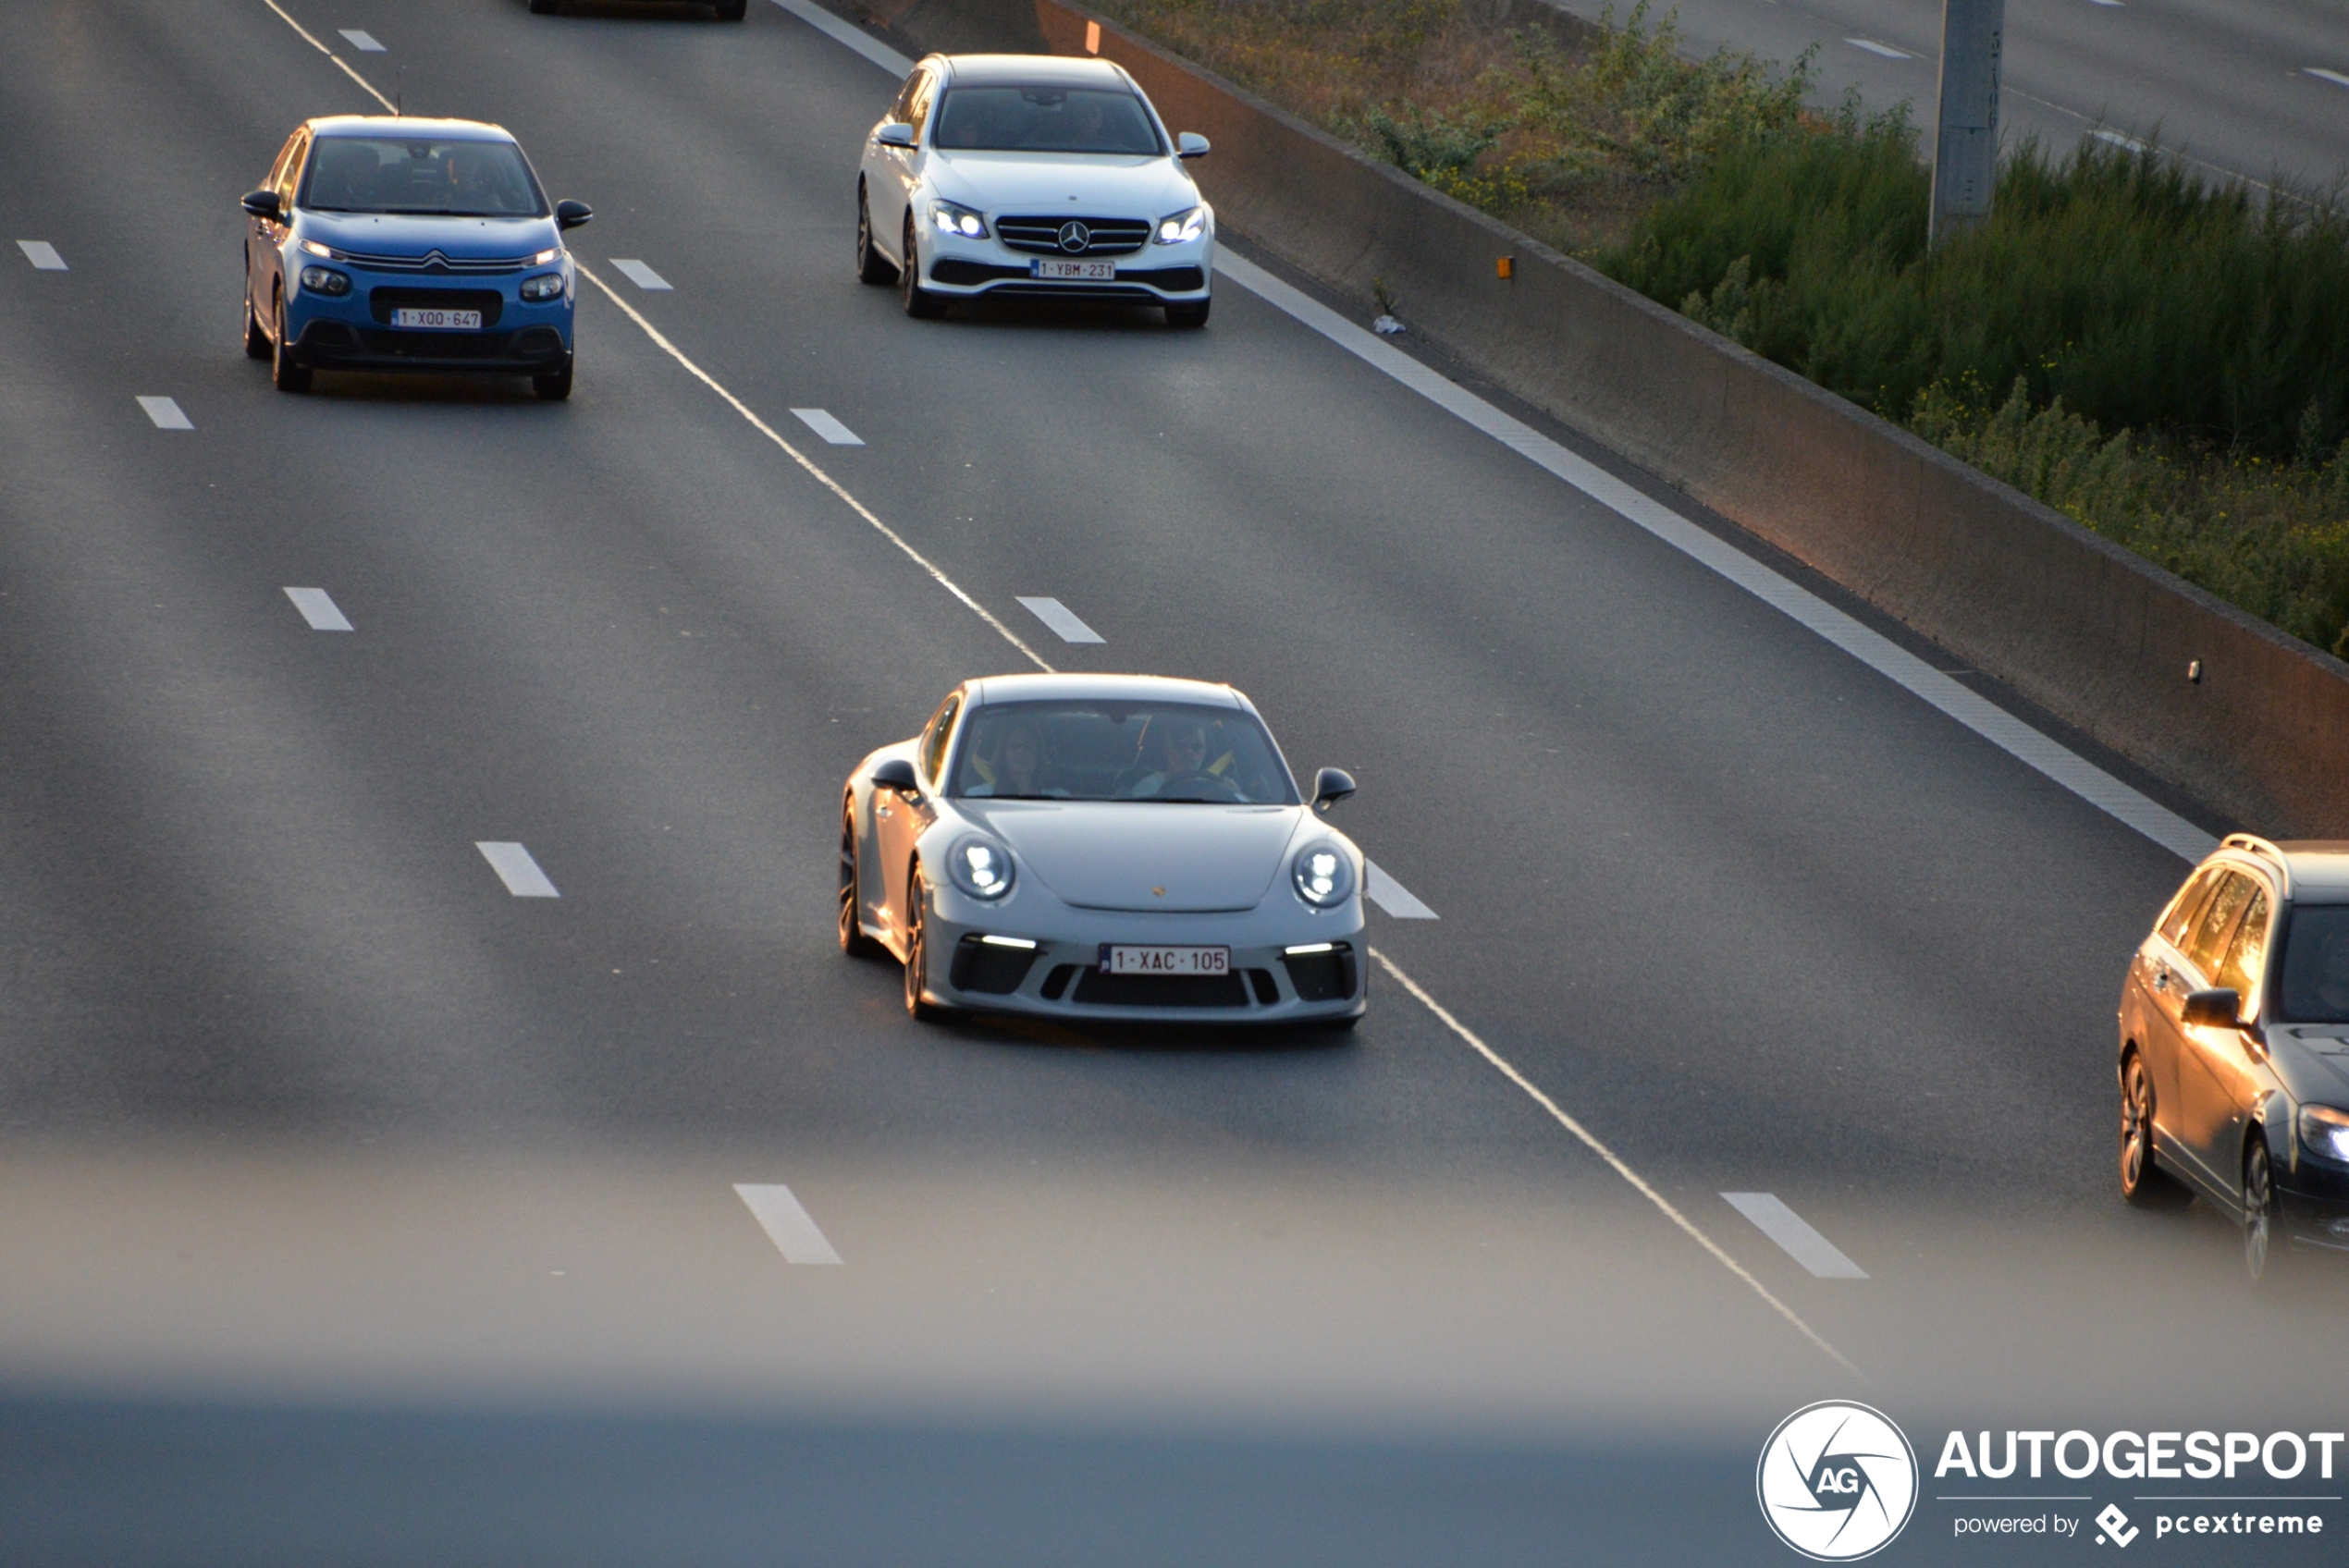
165	413
363	42
1390	895
873	49
831	430
1873	47
319	609
42	254
1970	708
340	63
2336	77
1791	1230
786	1222
516	871
1637	1182
825	479
642	275
2118	138
1062	619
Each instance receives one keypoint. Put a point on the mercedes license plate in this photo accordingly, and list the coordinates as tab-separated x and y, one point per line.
1165	961
1074	272
439	321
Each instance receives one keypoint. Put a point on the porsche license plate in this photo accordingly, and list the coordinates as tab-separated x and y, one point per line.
1074	272
1165	961
439	321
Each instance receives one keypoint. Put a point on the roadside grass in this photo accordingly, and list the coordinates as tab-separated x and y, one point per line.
2163	360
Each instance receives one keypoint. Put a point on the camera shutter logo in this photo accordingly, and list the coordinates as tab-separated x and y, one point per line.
1836	1481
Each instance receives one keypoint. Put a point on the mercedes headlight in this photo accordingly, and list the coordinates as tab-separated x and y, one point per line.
546	286
2325	1131
1322	874
1176	227
981	867
953	218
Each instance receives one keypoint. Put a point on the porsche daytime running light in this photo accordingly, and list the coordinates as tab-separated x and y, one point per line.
321	280
311	248
2325	1131
952	218
1323	875
546	286
1176	227
981	867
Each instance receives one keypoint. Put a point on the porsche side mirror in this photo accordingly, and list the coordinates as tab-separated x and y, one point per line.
1190	144
262	203
1331	786
896	133
896	774
2221	1008
572	215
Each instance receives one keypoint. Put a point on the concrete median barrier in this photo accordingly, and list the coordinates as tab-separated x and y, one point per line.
2095	635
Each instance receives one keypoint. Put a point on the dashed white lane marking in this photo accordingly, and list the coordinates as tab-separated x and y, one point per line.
787	1224
1903	669
319	609
1062	619
1638	1184
1392	896
2112	3
2118	138
516	871
42	254
363	42
341	63
642	275
165	413
1873	47
1805	1245
833	27
830	429
2336	77
825	479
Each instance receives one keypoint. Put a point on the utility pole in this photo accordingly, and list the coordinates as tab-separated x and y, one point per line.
1966	134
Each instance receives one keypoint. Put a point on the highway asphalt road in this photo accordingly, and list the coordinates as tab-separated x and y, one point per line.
358	1210
2252	89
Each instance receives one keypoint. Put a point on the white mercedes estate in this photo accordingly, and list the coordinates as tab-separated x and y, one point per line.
1032	175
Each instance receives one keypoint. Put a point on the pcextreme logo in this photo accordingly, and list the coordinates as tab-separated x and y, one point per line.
1836	1481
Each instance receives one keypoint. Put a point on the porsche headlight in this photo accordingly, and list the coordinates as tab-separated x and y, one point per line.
1175	228
2325	1132
981	867
953	218
1322	874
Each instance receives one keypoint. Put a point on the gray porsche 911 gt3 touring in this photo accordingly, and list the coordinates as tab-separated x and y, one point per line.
1112	847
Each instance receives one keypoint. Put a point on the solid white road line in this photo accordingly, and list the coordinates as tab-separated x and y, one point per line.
787	1224
825	479
641	275
1062	619
165	413
363	42
1390	895
516	871
1873	47
1614	1160
42	254
341	63
1791	1230
830	429
1977	713
318	609
2118	138
2336	77
833	27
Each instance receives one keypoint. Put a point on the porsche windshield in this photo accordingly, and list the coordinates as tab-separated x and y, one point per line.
1045	119
1093	750
474	179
